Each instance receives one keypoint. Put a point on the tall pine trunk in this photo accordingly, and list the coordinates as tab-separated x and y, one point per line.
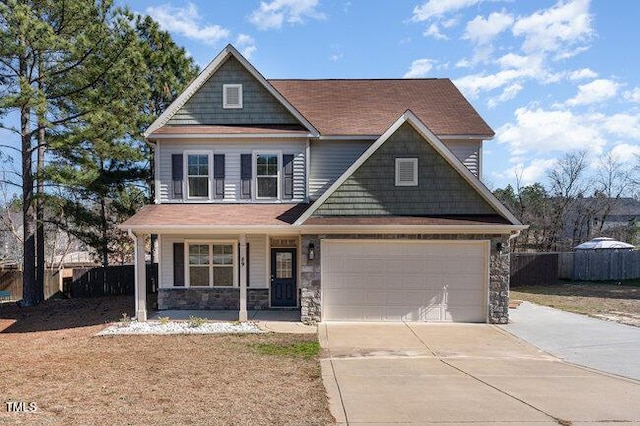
40	245
30	295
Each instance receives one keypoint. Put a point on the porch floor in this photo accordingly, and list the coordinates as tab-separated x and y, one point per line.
278	321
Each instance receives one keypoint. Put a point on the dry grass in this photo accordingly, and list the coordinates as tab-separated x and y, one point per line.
617	302
48	356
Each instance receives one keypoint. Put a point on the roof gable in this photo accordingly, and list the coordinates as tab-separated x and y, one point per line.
359	191
195	105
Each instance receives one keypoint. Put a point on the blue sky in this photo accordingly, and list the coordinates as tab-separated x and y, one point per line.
548	76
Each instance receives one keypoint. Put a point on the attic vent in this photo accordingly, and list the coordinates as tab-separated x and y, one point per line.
406	172
232	95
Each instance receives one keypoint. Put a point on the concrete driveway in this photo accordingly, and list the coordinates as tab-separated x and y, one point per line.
461	373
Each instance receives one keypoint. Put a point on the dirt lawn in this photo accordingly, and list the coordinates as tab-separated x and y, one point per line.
48	356
616	302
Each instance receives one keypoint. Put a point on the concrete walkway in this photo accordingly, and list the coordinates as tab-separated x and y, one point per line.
416	373
277	321
579	339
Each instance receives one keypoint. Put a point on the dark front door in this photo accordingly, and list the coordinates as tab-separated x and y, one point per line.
283	277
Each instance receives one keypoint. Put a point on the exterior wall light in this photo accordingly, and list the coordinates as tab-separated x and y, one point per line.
312	251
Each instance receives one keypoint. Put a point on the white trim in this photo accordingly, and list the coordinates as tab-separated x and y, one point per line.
156	172
210	243
414	165
348	137
307	169
374	137
208	72
225	101
159	242
429	137
325	229
185	174
254	180
233	136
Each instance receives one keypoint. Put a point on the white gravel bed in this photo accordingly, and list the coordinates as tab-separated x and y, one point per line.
180	327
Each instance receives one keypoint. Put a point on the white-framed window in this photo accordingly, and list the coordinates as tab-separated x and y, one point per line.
406	172
232	96
267	175
198	174
211	263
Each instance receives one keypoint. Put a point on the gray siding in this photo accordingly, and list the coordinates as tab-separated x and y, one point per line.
329	160
232	151
259	106
371	190
257	258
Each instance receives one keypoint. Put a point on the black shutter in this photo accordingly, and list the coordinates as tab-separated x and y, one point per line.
287	168
245	175
218	175
176	174
178	264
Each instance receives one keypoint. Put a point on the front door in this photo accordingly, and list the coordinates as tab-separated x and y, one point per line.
283	277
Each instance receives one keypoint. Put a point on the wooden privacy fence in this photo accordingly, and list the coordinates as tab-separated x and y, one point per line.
110	281
534	269
11	281
600	265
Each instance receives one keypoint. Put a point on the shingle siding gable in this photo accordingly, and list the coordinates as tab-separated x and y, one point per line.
259	106
371	190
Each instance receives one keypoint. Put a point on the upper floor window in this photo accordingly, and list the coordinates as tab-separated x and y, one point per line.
232	96
198	175
267	175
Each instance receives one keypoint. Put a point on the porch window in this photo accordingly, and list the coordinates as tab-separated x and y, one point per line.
266	176
212	264
198	175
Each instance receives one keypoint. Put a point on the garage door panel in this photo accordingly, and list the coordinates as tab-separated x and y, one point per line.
377	280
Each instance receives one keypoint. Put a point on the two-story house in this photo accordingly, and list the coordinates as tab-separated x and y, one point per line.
350	199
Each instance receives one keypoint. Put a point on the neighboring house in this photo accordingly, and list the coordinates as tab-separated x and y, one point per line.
348	199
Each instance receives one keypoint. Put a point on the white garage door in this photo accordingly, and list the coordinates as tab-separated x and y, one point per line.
375	280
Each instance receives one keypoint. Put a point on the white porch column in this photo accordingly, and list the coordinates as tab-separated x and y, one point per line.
140	279
243	278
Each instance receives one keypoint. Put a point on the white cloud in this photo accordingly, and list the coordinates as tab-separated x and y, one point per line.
420	68
186	21
625	152
528	174
434	31
622	125
594	92
272	15
633	95
507	94
538	130
437	8
246	44
583	74
483	31
556	29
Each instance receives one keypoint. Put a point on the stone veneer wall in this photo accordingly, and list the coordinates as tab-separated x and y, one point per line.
310	285
211	298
